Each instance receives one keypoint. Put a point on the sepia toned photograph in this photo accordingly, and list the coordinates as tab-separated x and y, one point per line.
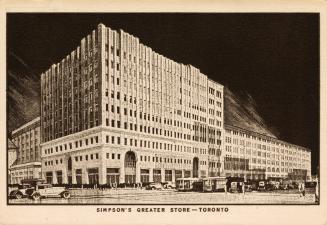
163	109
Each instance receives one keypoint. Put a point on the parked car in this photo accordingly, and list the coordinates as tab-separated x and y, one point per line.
283	186
234	184
270	187
291	186
20	192
169	185
310	184
248	186
47	190
254	185
286	185
277	185
235	187
261	186
154	186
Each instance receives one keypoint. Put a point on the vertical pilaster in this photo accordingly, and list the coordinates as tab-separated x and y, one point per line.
122	174
103	171
138	172
162	175
64	176
74	176
54	177
85	176
151	175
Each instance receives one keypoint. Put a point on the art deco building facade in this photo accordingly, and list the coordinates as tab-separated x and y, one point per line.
115	111
256	156
28	155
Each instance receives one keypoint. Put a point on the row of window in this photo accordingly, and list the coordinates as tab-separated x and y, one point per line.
113	156
133	100
214	165
52	162
79	143
86	157
156	131
212	92
157	159
155	145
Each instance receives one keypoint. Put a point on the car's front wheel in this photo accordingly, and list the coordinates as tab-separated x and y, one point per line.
36	196
66	195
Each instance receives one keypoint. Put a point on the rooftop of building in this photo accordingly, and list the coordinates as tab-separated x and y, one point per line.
120	30
26	125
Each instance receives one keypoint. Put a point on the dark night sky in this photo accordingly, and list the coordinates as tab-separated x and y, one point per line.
273	57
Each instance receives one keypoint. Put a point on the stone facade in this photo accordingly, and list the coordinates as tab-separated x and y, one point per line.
28	156
263	156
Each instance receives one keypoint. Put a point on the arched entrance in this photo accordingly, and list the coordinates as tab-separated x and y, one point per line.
130	167
195	167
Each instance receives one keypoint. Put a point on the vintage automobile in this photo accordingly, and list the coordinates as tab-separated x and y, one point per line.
262	186
235	187
154	186
234	184
248	186
169	185
47	190
310	184
270	187
20	192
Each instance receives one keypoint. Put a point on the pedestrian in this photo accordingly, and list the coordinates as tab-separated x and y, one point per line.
225	187
303	189
243	188
300	189
317	193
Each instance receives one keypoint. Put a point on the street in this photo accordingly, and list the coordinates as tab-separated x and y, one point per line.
140	196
